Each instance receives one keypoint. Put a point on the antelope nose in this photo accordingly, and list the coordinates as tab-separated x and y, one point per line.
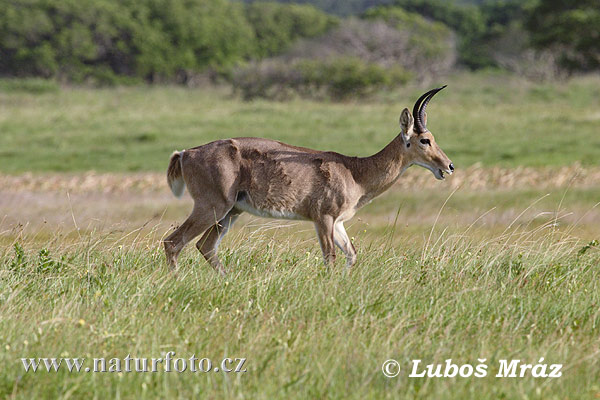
451	166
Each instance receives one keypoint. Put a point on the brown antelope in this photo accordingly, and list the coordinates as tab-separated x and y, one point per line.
272	179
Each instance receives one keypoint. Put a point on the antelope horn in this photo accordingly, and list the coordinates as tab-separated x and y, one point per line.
419	109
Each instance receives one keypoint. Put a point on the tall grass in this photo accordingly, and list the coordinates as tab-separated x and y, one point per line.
306	331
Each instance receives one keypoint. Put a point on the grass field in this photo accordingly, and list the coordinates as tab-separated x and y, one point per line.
488	119
498	262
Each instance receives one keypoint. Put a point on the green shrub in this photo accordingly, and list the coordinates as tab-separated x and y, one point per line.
466	20
277	26
100	40
429	47
349	77
571	28
338	79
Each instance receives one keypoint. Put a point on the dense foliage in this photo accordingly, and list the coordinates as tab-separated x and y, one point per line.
429	48
277	26
572	27
530	37
385	49
105	41
155	40
100	39
466	20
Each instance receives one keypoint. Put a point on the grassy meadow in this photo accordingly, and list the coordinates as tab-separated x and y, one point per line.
489	119
498	262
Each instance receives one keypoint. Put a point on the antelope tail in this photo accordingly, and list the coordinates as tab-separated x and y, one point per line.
175	175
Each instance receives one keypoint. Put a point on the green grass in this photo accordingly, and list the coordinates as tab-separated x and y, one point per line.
488	119
28	85
495	274
306	332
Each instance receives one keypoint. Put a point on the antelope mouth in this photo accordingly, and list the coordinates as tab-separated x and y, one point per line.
439	174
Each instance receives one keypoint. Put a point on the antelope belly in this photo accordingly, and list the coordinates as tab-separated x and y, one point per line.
279	214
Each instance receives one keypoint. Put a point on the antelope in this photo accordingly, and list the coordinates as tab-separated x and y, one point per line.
272	179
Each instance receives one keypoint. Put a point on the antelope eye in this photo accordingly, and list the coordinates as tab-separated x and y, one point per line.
425	141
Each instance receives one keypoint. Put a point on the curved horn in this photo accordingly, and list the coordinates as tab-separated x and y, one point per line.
419	109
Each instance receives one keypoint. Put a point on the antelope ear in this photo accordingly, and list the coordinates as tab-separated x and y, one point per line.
406	124
425	118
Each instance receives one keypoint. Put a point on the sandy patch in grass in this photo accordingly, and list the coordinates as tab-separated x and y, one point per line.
494	197
474	177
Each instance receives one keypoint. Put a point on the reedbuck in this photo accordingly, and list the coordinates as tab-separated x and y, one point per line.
272	179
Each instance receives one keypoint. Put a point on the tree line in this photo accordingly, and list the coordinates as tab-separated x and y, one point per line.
151	40
285	44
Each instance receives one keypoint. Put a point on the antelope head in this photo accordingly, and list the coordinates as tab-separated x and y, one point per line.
420	145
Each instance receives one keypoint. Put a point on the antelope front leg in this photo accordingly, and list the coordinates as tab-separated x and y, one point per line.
324	229
342	240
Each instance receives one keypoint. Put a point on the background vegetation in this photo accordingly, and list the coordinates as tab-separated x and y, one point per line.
280	45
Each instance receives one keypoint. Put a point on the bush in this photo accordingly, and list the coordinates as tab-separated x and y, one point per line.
108	42
277	26
269	79
182	37
425	47
375	41
350	77
571	28
79	40
353	60
466	19
512	51
338	78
